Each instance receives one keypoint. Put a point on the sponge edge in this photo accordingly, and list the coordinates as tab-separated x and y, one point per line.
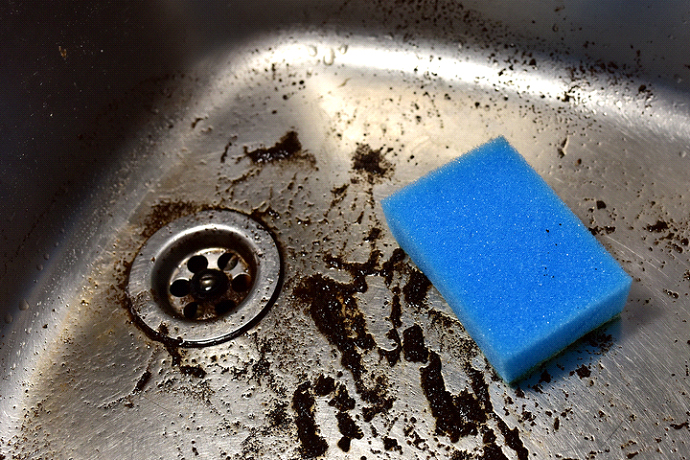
522	273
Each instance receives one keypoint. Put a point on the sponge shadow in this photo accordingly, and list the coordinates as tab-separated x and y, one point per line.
579	358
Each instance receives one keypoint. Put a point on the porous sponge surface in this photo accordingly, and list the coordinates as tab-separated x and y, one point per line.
525	277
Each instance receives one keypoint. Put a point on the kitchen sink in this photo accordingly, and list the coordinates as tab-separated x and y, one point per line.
195	263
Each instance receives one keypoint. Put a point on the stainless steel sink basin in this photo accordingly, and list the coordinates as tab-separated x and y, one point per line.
120	118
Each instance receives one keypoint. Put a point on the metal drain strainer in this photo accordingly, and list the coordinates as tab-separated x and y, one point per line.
205	278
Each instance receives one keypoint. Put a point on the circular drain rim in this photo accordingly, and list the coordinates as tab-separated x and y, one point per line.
165	248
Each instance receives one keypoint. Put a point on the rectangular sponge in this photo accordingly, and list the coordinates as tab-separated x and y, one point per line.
525	277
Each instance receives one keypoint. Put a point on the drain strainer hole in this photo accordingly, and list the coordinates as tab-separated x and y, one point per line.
241	282
204	278
225	306
197	263
180	288
227	261
191	310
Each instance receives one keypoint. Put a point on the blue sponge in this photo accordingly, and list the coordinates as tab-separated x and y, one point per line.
522	273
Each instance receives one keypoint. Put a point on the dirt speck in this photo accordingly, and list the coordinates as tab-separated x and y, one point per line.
288	147
659	227
599	339
391	444
582	372
680	426
371	162
605	230
141	383
195	371
545	377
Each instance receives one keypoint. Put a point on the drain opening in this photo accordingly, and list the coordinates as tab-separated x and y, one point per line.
206	285
205	278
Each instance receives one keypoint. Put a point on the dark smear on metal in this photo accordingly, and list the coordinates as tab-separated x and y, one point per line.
416	289
391	444
371	162
176	357
373	235
659	227
227	148
143	380
324	385
392	356
481	390
396	312
349	429
491	450
512	439
289	146
413	345
393	265
451	419
333	307
342	400
335	312
582	372
164	213
313	445
466	413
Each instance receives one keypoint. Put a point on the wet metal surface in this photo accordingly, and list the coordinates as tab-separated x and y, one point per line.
304	122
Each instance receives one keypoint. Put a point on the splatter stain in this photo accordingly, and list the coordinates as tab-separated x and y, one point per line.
313	445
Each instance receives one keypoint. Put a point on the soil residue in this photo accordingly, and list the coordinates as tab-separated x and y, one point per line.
141	383
455	417
583	372
605	230
176	356
417	288
413	345
659	227
165	212
349	429
333	307
371	163
342	400
288	147
313	445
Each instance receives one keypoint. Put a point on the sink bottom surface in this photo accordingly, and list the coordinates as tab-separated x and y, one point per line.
360	357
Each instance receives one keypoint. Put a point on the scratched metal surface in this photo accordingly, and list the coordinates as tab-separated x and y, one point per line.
359	357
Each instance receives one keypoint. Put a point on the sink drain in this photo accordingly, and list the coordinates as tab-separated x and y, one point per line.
204	278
